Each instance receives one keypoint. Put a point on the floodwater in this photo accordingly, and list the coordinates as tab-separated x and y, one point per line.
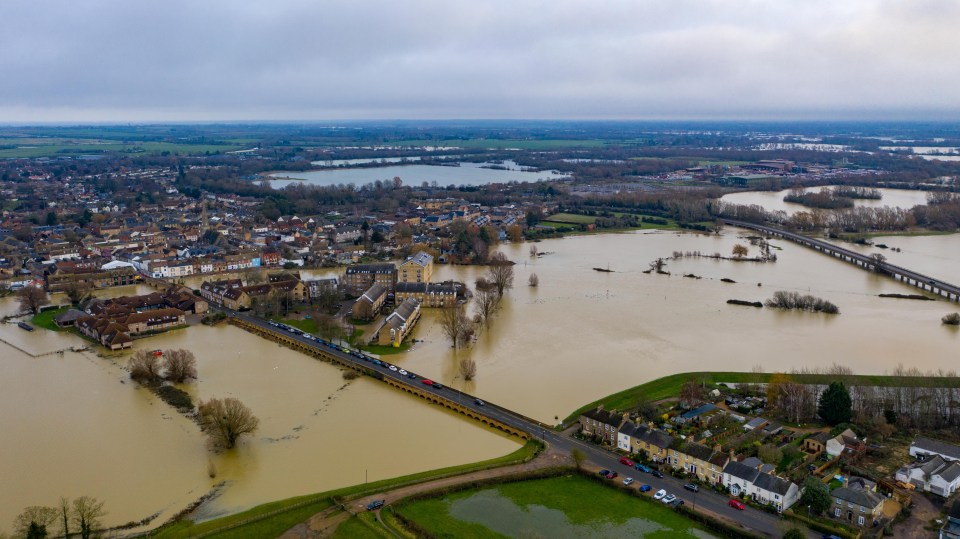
75	424
773	200
465	174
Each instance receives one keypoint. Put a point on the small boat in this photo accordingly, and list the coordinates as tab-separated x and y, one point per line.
24	325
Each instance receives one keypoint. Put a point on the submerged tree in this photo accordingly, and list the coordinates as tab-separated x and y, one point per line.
87	512
455	324
144	366
487	299
500	272
740	250
181	365
468	369
32	298
533	280
225	420
34	521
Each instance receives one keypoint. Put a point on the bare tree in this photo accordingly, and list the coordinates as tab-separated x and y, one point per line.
77	292
63	513
488	301
181	365
144	366
468	369
740	250
225	420
658	265
879	262
500	272
533	280
328	327
31	298
87	513
33	521
691	392
533	249
455	324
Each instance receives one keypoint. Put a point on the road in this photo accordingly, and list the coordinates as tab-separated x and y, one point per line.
596	457
953	291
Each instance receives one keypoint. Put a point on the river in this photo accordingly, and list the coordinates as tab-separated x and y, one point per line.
465	174
76	425
773	200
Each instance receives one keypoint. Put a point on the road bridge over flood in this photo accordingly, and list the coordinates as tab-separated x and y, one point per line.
913	278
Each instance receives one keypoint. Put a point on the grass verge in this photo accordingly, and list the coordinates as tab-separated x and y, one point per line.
385	350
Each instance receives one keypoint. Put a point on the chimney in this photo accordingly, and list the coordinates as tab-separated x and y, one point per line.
846	481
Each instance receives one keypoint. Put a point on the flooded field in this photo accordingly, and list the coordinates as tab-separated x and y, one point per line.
773	200
75	425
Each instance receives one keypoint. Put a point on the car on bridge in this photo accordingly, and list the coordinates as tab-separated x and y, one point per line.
479	402
425	381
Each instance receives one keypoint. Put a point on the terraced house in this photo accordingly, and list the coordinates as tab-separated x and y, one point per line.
697	459
428	294
742	479
359	277
601	424
399	324
416	269
644	439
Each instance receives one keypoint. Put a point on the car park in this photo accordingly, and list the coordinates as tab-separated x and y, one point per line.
669	498
625	461
645	487
691	487
628	481
737	504
642	467
603	473
657	473
660	494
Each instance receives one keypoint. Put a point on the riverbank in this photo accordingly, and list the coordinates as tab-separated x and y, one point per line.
669	386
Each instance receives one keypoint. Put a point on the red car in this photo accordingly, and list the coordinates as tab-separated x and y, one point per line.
612	475
428	382
626	462
737	504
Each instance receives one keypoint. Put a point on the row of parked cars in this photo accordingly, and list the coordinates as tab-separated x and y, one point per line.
661	494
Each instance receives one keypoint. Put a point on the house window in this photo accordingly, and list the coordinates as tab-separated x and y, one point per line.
776	496
836	511
860	520
863	509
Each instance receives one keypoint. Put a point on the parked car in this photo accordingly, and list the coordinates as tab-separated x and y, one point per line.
375	504
669	499
626	461
643	467
645	487
613	475
691	487
628	480
737	504
603	473
660	494
677	503
479	402
657	473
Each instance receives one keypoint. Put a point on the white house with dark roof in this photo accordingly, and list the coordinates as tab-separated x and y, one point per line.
922	448
937	475
744	480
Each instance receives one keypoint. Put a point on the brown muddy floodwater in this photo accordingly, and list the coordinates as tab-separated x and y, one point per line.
75	425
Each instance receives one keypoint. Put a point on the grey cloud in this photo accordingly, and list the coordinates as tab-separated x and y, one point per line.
288	59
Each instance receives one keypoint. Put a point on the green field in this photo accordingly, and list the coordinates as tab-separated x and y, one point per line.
45	319
572	218
355	528
567	506
31	148
272	519
669	386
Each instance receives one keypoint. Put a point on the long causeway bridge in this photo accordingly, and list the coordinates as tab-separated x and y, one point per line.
919	280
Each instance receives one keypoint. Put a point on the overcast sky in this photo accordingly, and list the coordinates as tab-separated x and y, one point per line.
202	60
